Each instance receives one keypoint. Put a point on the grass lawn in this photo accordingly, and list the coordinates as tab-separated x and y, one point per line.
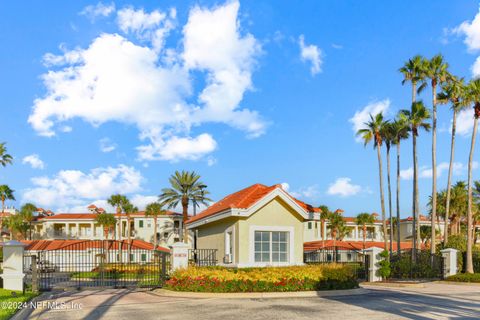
8	302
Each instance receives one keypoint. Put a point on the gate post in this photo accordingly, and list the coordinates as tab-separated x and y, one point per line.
13	265
450	267
373	259
34	274
179	255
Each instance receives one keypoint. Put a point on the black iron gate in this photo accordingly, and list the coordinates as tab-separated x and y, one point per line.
418	264
97	263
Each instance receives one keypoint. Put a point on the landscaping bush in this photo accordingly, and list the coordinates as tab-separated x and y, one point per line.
465	277
269	279
402	267
384	271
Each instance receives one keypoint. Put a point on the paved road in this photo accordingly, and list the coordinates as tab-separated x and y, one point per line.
436	301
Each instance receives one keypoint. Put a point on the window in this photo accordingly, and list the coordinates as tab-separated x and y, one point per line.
144	257
309	226
149	225
131	257
176	224
349	256
165	235
140	223
316	225
271	246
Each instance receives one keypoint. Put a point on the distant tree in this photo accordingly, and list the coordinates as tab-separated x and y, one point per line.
5	158
324	214
26	212
336	225
107	221
154	209
363	219
5	194
118	201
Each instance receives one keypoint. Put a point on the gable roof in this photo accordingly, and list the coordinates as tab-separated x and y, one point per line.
40	245
245	199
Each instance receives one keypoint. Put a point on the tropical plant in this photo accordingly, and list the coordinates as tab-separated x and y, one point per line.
453	92
372	132
364	219
107	221
324	213
154	209
473	96
436	69
15	224
118	201
388	136
129	208
5	158
400	130
417	119
413	72
336	225
185	186
26	212
5	194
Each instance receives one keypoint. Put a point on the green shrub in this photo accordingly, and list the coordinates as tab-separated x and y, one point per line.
465	277
384	270
269	279
402	266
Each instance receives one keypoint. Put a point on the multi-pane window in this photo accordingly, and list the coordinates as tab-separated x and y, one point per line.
271	246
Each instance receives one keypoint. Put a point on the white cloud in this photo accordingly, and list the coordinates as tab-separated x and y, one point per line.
285	186
476	68
442	168
343	187
361	116
406	174
311	53
70	188
107	145
465	122
471	31
211	161
310	192
98	10
141	201
34	161
117	79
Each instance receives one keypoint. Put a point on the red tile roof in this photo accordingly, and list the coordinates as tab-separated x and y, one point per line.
244	199
40	245
79	216
352	245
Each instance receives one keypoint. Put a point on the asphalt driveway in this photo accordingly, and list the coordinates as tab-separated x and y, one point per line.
435	301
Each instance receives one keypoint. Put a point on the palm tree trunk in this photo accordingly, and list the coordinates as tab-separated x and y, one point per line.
450	171
398	197
390	200
129	237
364	228
323	232
185	218
434	167
155	233
415	229
382	197
469	268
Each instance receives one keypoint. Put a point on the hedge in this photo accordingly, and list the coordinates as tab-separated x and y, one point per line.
268	279
465	277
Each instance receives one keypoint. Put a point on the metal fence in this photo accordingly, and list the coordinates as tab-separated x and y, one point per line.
420	264
202	257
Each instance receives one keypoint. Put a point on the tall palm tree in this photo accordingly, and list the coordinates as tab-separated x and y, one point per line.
5	158
335	224
473	96
185	187
129	208
435	69
324	213
400	132
453	92
154	209
388	136
26	212
372	132
417	119
117	201
5	194
107	221
364	219
413	71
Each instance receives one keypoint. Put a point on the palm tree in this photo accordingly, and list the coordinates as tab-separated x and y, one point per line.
26	212
417	117
117	201
154	209
388	136
107	221
5	194
400	130
436	69
335	224
185	187
453	91
473	96
372	131
324	213
15	225
5	158
364	219
129	208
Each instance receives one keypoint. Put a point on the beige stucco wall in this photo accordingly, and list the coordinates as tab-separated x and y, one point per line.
212	236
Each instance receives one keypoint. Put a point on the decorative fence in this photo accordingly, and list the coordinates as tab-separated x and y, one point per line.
202	257
420	265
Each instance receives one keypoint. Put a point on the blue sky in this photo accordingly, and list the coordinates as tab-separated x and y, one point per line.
111	97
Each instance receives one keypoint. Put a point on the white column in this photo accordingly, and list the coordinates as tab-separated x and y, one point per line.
356	233
179	255
13	265
374	258
450	258
92	230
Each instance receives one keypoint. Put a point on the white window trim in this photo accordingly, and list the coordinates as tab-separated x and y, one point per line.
291	245
230	230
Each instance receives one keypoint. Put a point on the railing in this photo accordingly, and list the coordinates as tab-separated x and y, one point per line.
202	257
418	264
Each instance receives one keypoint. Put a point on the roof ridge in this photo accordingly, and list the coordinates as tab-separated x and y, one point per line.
255	188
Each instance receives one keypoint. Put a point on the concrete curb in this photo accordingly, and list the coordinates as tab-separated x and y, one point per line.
392	285
458	283
24	313
258	295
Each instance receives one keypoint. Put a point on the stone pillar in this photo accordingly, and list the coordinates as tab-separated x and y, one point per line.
13	265
179	255
450	267
374	258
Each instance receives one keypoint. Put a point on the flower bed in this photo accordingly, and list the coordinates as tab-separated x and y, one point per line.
465	277
269	279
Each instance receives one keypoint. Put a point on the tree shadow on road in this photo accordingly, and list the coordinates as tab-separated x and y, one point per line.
411	305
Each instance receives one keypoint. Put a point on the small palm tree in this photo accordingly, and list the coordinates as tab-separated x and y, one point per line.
107	221
453	92
129	208
324	213
185	187
5	158
154	209
436	69
5	194
473	96
118	201
372	132
16	225
417	119
364	219
26	212
336	225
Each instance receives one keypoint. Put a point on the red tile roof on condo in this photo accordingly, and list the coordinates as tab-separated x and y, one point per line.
40	245
351	245
244	199
75	216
